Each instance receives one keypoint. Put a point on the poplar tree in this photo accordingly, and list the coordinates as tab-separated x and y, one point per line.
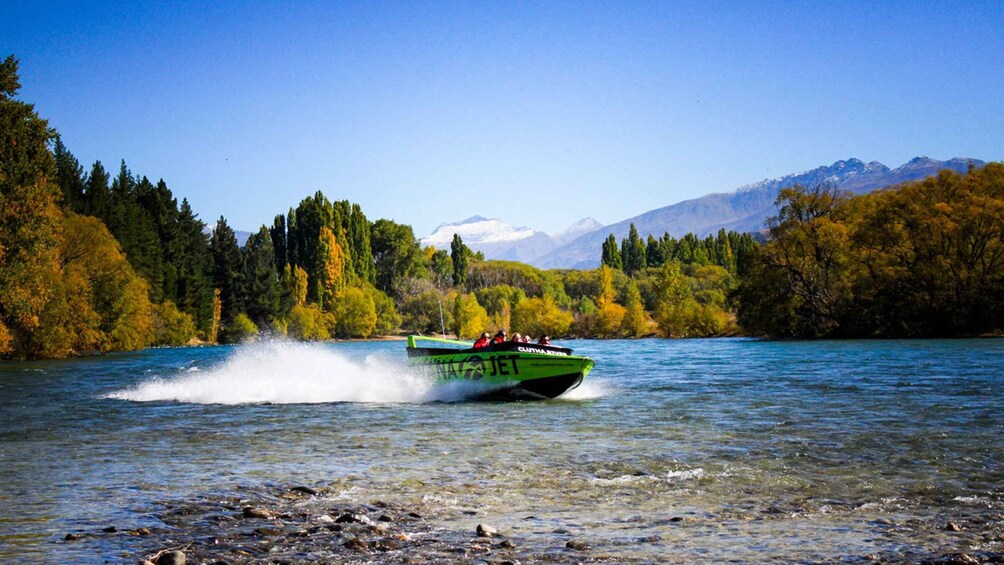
459	254
611	255
633	252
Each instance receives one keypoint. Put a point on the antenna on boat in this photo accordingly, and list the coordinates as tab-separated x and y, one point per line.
442	323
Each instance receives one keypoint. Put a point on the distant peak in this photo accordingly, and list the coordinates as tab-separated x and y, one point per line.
589	222
474	220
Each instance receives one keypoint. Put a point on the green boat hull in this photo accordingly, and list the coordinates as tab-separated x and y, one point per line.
508	371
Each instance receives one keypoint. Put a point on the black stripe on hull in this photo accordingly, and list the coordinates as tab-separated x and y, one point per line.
535	389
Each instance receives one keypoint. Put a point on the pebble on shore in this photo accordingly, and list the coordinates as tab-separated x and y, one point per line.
486	531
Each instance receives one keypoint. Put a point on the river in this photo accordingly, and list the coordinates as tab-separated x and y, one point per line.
671	451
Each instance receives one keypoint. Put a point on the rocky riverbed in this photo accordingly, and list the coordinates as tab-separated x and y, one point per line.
300	524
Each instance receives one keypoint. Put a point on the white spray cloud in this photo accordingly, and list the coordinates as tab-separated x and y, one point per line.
282	372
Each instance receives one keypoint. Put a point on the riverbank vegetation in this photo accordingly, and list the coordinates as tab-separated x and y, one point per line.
925	259
94	263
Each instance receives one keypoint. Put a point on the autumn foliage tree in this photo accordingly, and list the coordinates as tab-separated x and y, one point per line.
29	218
924	259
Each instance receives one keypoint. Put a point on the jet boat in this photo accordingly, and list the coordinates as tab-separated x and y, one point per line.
507	371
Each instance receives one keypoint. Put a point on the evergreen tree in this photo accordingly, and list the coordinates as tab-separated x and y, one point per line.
611	255
359	240
633	252
228	271
97	194
69	177
459	253
278	235
194	264
653	252
262	278
292	253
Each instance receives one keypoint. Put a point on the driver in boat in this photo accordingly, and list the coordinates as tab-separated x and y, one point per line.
545	340
482	341
499	337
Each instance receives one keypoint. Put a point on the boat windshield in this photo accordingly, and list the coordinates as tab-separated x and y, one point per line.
437	342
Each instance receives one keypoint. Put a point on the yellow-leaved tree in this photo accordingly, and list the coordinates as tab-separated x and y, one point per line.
98	303
29	218
355	313
540	316
469	317
609	315
331	272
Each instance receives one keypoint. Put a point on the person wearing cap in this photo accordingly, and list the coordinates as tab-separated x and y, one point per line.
482	341
499	337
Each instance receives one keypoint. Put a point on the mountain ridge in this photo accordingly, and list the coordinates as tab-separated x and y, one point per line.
745	208
500	240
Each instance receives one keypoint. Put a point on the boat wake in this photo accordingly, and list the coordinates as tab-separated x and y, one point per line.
283	372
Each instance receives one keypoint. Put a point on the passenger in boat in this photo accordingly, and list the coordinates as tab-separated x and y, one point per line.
516	338
499	337
482	341
527	339
544	341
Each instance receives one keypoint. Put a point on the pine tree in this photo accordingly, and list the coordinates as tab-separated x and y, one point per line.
97	195
69	176
228	271
194	266
263	280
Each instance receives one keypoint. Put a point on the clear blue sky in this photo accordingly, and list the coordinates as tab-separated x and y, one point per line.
535	113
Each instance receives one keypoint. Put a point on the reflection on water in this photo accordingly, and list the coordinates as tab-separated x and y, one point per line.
675	450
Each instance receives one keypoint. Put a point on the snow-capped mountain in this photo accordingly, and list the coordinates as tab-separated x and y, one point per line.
477	230
500	240
746	208
582	227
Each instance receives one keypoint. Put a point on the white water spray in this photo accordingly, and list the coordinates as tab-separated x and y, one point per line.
282	372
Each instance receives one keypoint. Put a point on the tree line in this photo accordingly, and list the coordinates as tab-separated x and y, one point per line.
91	262
925	259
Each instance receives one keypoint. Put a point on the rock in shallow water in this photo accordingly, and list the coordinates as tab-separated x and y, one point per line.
358	545
250	512
172	558
348	517
486	531
578	545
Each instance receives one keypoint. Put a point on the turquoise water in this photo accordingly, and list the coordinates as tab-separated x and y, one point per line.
673	450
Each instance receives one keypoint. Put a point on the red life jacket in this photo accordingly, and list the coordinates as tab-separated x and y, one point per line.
481	342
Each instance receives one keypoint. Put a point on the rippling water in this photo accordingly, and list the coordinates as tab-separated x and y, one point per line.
673	450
